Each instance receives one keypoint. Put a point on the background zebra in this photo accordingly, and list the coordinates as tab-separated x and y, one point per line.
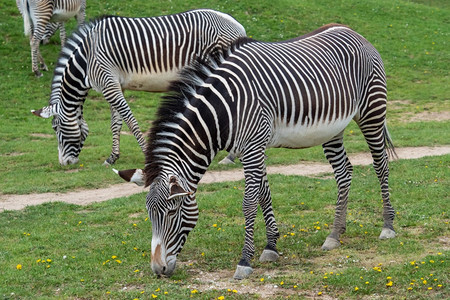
41	18
112	54
295	94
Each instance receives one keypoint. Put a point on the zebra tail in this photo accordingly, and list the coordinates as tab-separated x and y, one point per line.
389	144
24	9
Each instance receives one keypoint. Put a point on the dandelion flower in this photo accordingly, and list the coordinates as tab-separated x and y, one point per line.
356	288
319	293
220	298
389	283
19	267
154	296
234	291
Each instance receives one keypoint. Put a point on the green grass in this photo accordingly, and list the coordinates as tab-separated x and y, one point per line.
80	242
410	36
83	243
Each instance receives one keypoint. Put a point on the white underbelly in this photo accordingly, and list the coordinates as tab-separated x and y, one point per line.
150	82
60	15
302	136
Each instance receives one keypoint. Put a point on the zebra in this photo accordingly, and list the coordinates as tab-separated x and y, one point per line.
112	54
41	18
292	94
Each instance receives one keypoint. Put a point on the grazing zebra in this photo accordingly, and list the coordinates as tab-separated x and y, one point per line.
112	54
41	18
293	94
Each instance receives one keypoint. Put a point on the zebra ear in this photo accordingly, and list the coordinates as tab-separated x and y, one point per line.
175	189
45	112
132	175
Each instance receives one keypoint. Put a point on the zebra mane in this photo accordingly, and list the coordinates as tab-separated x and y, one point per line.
72	44
175	101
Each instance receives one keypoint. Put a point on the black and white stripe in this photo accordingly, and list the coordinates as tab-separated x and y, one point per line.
42	17
294	94
112	54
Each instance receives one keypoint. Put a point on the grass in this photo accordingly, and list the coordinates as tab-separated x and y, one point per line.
102	250
410	37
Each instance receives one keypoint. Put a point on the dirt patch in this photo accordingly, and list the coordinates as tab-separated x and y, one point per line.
12	154
42	135
428	116
84	197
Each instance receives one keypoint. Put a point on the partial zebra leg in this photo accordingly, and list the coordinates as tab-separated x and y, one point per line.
62	33
375	136
270	252
256	189
113	94
38	33
337	157
116	126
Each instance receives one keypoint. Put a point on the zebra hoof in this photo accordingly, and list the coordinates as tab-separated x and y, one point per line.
269	256
330	244
37	74
387	233
242	272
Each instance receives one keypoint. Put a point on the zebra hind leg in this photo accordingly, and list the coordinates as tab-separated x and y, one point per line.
377	138
337	157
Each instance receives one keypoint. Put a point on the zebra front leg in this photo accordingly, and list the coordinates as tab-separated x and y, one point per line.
116	126
270	253
249	207
113	94
337	157
254	171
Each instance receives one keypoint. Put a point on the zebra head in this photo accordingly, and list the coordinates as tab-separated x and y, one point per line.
70	133
173	213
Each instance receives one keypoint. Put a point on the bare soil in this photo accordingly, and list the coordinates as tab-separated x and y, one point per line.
84	197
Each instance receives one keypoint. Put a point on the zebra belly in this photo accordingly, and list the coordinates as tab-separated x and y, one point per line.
303	136
150	82
61	15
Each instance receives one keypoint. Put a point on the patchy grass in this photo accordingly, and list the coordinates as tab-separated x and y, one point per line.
103	250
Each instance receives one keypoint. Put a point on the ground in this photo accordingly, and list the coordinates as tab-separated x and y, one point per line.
84	197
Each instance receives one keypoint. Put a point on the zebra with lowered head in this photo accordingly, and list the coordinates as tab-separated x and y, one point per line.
42	17
112	54
293	94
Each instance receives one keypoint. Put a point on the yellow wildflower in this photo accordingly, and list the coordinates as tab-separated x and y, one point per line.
19	267
389	283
